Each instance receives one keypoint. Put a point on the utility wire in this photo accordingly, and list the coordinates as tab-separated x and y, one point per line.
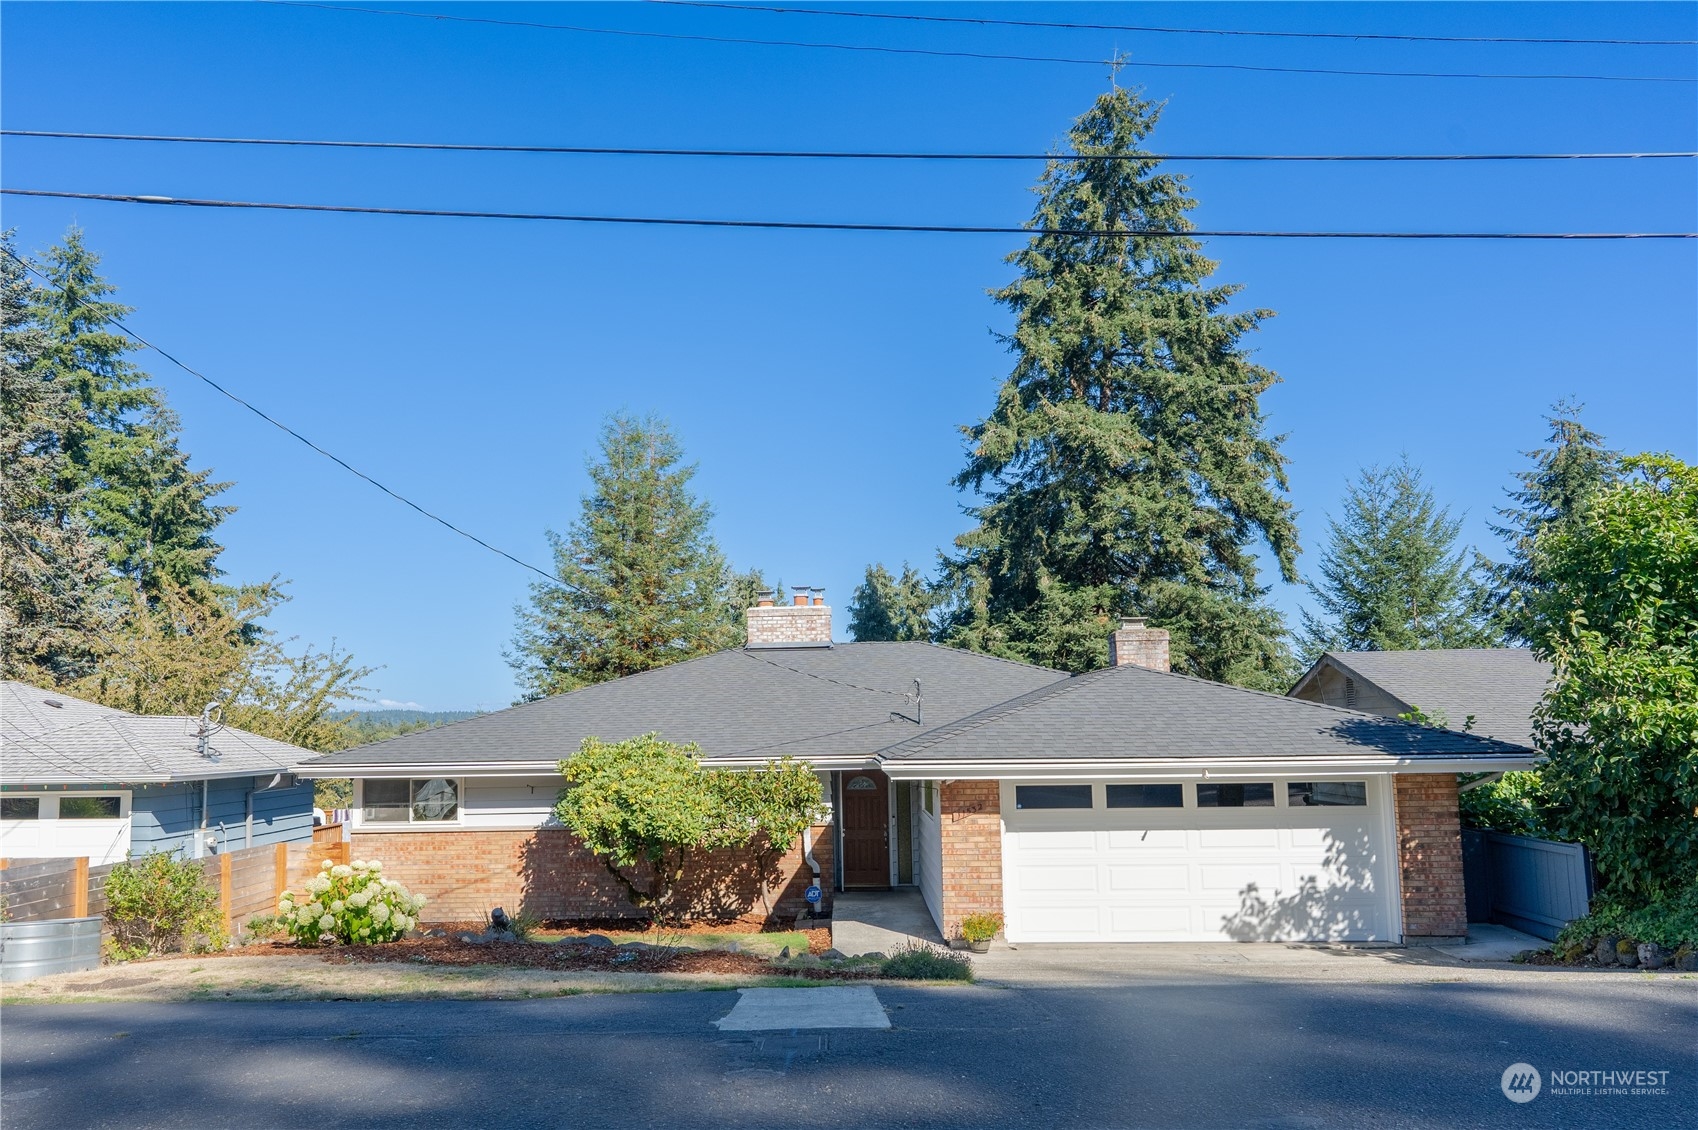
286	429
804	225
831	154
1173	30
1119	62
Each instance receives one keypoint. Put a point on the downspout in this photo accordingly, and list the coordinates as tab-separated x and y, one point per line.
200	837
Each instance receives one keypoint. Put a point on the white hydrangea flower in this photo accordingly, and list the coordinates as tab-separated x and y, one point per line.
327	923
341	871
303	916
326	865
359	898
365	931
336	906
380	912
286	905
375	864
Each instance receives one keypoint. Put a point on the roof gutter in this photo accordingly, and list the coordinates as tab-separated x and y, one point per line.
1169	768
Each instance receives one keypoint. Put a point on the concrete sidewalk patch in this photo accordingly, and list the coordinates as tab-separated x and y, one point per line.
765	1010
1492	943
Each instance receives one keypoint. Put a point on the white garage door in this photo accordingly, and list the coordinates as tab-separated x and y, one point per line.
1267	860
65	825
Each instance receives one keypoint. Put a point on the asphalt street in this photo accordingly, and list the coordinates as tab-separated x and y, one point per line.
1425	1053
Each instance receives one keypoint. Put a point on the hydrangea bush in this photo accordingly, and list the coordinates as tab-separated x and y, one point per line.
351	903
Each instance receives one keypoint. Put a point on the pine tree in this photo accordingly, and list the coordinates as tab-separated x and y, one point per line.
154	513
1574	466
54	602
1126	465
644	583
1391	576
891	608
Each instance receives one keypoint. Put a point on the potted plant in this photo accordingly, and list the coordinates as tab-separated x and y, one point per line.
977	930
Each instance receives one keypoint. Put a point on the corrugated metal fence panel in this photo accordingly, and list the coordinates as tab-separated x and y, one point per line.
1538	886
36	949
39	890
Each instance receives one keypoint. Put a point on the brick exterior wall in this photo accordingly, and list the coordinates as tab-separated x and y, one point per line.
1429	856
548	873
970	818
789	623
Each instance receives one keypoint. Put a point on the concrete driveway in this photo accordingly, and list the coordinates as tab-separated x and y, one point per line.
1085	1045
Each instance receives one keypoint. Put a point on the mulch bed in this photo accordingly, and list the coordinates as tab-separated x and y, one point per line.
573	956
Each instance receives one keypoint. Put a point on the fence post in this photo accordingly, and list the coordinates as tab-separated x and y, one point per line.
79	887
224	888
280	880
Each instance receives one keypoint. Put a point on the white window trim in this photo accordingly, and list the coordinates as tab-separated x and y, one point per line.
359	822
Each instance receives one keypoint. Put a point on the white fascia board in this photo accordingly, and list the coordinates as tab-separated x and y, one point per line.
120	780
433	769
1196	768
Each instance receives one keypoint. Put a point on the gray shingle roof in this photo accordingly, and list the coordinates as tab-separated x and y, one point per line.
47	737
758	704
1499	686
1131	713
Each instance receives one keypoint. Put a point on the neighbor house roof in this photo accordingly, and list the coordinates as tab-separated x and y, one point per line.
1126	715
1498	686
47	738
826	704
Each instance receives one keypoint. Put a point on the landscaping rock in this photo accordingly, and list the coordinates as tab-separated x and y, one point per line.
785	952
596	941
1627	953
636	947
1687	962
733	947
834	954
1605	951
436	933
1652	956
474	939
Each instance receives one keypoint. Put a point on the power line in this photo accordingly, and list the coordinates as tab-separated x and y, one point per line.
806	225
910	17
818	46
830	154
286	429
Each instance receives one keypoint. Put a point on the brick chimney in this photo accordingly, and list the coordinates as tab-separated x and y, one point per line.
1136	644
804	622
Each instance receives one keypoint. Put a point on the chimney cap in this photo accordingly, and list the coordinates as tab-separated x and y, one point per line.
1134	621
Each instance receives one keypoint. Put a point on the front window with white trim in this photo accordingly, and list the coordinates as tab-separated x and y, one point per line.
433	800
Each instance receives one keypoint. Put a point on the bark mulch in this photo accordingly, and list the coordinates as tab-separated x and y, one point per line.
572	956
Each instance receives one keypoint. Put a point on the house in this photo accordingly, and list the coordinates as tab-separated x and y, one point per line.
78	779
1491	690
1128	804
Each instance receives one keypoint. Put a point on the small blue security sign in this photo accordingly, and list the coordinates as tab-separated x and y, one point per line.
812	894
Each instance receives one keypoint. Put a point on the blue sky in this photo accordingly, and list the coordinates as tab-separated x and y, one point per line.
819	379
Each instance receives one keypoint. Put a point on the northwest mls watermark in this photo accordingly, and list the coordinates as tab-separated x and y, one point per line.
1522	1082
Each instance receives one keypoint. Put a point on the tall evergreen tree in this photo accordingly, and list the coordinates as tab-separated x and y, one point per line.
644	583
885	607
154	513
1126	466
1391	576
54	603
1575	466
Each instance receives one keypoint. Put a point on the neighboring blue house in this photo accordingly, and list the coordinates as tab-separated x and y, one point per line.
77	779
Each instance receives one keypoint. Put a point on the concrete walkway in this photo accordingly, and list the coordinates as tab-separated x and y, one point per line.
1487	942
880	922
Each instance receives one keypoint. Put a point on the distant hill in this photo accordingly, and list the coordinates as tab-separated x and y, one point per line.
398	717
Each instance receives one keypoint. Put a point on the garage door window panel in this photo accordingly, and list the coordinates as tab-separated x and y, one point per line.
1030	797
1146	796
1226	794
20	808
90	808
1326	794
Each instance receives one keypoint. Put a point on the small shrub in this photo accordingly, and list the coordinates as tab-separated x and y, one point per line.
980	927
352	904
161	903
1670	922
921	962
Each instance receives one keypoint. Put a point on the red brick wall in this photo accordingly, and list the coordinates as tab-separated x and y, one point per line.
970	816
548	873
1429	856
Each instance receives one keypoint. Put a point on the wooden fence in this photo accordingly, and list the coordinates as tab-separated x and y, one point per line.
1535	886
249	882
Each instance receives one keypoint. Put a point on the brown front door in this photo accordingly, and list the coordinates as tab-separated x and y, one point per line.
866	829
